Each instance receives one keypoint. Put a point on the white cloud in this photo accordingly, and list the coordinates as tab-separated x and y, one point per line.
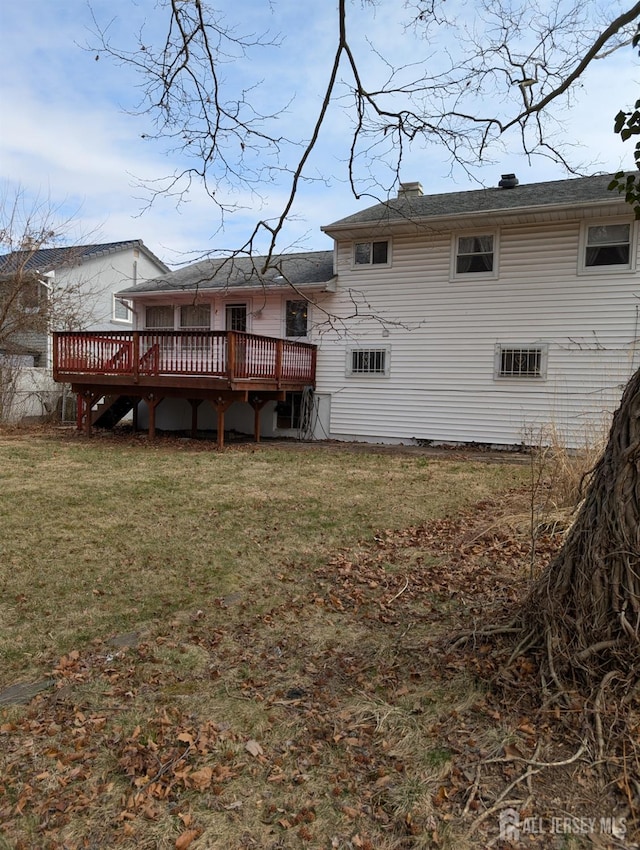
66	135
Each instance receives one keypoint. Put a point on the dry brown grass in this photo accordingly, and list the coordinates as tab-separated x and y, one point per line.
565	472
106	535
285	687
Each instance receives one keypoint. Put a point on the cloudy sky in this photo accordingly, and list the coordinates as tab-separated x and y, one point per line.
70	137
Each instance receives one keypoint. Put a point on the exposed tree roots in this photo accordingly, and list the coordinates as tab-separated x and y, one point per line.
580	623
584	611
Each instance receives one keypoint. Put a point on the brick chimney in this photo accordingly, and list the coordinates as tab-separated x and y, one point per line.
410	190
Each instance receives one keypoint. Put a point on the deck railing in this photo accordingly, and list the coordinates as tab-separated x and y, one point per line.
228	355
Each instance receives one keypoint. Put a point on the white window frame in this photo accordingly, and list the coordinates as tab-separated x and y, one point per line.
284	318
370	264
351	373
128	306
583	268
502	347
470	234
229	304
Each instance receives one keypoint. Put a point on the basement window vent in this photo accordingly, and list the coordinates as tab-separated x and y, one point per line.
520	362
368	361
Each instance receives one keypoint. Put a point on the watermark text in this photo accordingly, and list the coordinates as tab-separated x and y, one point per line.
514	827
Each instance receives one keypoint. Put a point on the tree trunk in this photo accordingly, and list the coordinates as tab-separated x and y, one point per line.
584	611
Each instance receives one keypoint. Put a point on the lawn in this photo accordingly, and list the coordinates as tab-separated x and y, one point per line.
97	537
247	649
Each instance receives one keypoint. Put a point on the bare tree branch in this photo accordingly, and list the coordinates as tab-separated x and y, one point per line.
523	59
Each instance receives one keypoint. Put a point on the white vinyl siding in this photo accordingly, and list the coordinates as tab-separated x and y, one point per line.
98	278
444	337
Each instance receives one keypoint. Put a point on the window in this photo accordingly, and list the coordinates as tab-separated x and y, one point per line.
236	317
32	296
159	317
371	253
296	315
608	245
525	362
195	316
368	361
122	310
474	254
288	411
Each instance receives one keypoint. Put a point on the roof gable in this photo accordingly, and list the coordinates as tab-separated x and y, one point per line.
47	259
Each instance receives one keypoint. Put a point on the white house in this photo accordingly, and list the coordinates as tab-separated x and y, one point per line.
468	317
490	314
79	284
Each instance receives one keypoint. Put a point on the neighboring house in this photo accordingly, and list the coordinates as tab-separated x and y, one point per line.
54	288
480	316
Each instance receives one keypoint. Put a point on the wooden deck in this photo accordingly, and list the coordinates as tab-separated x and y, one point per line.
220	367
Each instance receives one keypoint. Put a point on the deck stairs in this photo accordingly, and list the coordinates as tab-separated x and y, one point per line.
110	410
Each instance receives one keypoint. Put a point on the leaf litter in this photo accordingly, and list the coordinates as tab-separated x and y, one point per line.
327	709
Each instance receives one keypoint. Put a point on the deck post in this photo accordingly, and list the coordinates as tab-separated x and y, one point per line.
79	410
257	404
195	404
152	402
89	398
221	405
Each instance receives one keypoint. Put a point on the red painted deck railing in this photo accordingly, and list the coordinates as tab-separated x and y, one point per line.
224	354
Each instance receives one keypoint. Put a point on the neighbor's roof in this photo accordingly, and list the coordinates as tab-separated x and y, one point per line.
306	269
48	259
573	192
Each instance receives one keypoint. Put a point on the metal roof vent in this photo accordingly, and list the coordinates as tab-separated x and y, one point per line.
410	190
508	181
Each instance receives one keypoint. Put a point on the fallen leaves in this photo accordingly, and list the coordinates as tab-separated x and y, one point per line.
187	838
199	779
254	748
317	714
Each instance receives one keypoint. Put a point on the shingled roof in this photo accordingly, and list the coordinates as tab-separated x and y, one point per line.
309	269
46	259
417	207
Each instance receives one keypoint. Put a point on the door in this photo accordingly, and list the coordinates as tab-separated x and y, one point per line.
235	319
